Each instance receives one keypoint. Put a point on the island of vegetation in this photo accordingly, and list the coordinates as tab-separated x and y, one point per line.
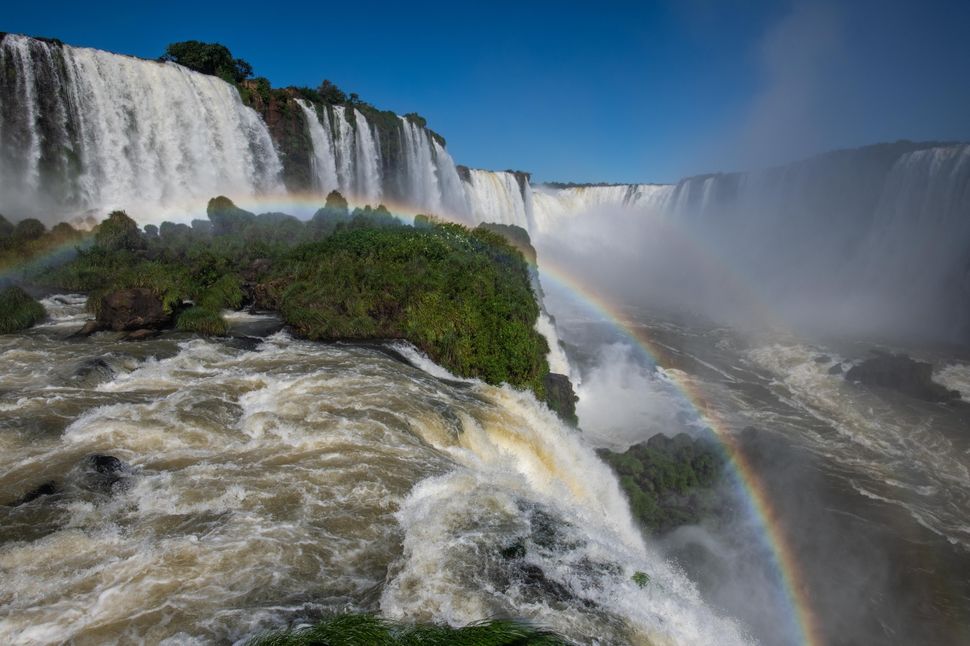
462	296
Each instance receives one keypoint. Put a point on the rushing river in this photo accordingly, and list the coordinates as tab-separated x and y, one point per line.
871	487
258	483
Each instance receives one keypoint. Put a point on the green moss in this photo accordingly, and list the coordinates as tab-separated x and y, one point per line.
18	310
202	320
641	578
368	630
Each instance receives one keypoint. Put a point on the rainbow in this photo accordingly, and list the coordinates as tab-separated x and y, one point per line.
804	624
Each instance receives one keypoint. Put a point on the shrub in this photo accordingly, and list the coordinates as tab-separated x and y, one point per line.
29	229
202	320
118	232
18	310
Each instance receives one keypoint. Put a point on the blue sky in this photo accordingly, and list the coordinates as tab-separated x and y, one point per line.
607	91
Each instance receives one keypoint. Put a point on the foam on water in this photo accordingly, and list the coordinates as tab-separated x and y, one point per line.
274	485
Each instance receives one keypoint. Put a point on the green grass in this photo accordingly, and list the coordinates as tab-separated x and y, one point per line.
18	310
368	630
202	320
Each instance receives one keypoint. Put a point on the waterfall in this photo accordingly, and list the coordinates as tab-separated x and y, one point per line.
499	196
368	171
324	160
85	129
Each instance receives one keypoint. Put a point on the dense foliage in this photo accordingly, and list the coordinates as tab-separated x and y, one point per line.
208	58
669	481
462	296
368	630
18	310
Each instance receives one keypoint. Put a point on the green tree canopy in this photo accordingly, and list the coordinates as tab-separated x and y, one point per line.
208	58
118	232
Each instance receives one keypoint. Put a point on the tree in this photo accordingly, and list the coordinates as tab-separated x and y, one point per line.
208	58
118	232
29	229
331	93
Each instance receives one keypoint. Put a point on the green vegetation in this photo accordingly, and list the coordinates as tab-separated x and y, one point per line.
208	58
18	310
368	630
641	578
462	296
29	243
202	320
669	481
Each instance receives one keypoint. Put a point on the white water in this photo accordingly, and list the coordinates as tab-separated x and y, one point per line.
324	157
143	136
325	471
892	448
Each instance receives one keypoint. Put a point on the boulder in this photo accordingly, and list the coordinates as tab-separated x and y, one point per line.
900	373
835	369
49	488
100	472
132	309
90	327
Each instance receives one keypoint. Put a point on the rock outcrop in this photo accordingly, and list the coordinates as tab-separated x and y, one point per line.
132	309
900	373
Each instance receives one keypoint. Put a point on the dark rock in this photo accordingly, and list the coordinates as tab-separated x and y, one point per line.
102	472
141	335
90	327
132	309
247	343
92	371
560	397
836	369
823	358
900	373
49	488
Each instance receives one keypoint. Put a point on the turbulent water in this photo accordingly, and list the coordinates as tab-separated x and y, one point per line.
272	483
870	486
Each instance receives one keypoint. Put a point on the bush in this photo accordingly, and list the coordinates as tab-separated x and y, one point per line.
29	229
18	310
118	232
202	320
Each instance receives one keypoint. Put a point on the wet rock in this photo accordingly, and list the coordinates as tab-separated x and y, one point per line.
141	335
836	369
49	488
247	343
823	358
90	327
900	373
132	309
102	471
560	397
91	372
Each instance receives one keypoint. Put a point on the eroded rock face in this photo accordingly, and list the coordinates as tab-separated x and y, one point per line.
899	372
132	309
560	397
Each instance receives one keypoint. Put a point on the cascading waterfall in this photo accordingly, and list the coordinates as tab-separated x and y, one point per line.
368	185
324	160
499	196
85	129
